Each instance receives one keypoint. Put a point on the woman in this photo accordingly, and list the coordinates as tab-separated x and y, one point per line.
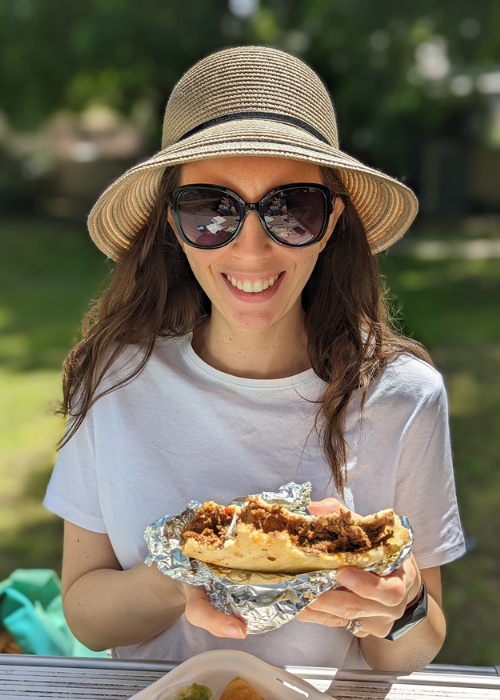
212	371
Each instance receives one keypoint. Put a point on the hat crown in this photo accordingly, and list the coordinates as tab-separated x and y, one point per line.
248	79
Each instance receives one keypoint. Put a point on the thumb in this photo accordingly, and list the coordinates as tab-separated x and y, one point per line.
326	506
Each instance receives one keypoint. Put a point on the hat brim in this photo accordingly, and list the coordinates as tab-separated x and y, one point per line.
385	206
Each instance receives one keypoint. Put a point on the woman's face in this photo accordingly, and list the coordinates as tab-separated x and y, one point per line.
253	257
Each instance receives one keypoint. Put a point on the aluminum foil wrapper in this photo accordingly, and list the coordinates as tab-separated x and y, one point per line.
265	601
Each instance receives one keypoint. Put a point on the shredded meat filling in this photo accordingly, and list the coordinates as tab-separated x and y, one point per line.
327	533
209	525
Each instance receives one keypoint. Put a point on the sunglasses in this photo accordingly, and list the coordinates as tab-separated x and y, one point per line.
295	216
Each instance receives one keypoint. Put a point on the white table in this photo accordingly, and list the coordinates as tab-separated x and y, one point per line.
57	678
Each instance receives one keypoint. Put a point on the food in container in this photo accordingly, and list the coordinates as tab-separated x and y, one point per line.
187	691
240	689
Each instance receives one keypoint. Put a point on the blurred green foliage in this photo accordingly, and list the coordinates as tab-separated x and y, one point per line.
64	55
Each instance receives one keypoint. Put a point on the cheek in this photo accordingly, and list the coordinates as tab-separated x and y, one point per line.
195	266
307	265
199	262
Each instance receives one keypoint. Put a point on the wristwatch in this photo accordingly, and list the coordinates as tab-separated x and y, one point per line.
414	613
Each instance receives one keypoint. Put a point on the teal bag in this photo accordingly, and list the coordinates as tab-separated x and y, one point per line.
31	610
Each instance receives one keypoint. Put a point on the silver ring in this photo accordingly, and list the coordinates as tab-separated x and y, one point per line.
354	626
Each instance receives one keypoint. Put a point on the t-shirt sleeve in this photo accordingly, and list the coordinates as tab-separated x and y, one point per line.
73	490
425	486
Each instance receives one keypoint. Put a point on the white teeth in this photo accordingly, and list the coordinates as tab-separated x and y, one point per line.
247	286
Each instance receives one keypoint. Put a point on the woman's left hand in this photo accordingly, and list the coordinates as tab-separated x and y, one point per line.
377	601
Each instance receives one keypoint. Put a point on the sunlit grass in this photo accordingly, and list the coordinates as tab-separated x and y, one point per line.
452	307
28	426
48	274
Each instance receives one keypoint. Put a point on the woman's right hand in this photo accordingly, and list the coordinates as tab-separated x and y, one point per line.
106	606
200	612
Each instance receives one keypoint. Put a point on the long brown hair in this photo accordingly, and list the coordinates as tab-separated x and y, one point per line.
153	292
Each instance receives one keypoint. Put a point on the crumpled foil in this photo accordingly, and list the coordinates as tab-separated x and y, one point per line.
265	601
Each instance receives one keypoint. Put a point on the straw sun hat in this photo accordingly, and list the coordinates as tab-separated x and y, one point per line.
250	101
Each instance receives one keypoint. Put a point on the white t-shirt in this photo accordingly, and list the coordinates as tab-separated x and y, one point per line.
183	430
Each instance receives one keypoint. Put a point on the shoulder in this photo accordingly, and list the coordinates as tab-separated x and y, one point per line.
133	363
408	379
414	372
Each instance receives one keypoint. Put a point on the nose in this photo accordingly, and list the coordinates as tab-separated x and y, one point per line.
252	242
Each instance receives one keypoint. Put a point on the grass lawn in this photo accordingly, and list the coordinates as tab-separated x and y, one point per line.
48	274
452	307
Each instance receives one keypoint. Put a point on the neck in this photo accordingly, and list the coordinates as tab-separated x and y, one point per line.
264	353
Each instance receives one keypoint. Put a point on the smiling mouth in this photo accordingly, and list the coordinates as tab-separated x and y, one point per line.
252	286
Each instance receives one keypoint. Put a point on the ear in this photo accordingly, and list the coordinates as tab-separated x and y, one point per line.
338	208
174	229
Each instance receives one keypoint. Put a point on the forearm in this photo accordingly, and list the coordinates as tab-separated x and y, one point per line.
107	608
413	650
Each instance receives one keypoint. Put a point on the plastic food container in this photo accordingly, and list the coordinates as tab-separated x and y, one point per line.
217	668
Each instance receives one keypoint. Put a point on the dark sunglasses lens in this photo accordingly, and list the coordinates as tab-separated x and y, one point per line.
296	215
208	216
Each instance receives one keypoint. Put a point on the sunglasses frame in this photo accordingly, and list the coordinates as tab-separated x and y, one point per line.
328	196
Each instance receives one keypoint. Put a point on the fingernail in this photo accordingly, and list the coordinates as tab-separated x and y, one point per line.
347	577
234	631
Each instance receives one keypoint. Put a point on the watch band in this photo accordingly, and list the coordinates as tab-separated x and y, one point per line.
418	596
414	613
